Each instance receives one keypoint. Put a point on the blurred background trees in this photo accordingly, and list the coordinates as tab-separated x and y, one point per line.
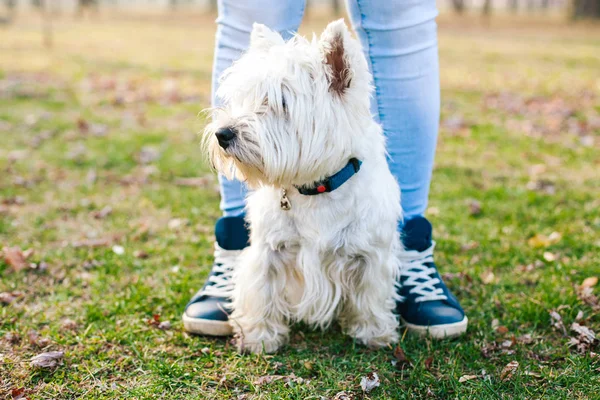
575	9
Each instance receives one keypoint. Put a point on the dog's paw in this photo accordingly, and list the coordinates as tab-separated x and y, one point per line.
380	341
374	334
258	343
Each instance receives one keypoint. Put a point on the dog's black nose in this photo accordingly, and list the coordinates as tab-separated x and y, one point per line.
225	136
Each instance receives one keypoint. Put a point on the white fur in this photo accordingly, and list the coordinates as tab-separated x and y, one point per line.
332	256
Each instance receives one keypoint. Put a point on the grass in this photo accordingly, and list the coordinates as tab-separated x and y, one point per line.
109	118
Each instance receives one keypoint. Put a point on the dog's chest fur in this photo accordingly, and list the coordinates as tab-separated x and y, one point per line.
324	244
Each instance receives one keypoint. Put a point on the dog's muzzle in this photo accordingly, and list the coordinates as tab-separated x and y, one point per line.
225	136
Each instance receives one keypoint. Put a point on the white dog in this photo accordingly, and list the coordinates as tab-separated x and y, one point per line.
296	126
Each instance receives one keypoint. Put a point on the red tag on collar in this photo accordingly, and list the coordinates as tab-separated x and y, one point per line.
321	188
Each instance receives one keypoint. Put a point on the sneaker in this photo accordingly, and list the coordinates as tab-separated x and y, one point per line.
208	311
427	306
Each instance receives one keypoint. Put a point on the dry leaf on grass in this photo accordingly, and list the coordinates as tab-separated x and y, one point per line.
15	258
165	325
148	154
140	254
102	242
589	282
502	330
585	338
7	297
18	394
586	294
48	360
400	361
509	370
557	322
428	362
266	379
487	277
103	213
474	207
12	338
343	396
525	339
36	340
369	382
540	240
118	250
68	324
466	378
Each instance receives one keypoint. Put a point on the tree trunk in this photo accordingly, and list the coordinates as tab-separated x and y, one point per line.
487	8
336	6
586	9
459	6
46	22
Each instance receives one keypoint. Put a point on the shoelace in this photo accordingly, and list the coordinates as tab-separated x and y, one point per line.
221	282
420	275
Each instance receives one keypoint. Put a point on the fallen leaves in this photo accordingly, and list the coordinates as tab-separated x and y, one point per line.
36	340
148	154
369	382
343	396
487	277
540	240
291	378
585	338
92	243
474	208
557	322
12	338
47	360
103	213
589	282
156	322
18	394
118	250
9	297
15	258
466	378
68	324
509	370
400	361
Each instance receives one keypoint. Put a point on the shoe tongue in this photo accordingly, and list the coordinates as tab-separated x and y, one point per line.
232	233
416	234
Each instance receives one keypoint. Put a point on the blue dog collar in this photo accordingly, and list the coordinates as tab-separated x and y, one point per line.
334	181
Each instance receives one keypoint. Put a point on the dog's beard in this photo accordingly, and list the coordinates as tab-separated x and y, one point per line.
242	159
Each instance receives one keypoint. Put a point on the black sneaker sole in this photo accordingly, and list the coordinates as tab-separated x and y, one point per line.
208	327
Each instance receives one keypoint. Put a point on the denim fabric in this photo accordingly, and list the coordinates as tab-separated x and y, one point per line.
399	38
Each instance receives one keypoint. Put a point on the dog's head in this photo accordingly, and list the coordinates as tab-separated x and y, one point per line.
291	110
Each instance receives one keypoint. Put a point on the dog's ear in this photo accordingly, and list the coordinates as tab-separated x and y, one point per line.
263	37
335	44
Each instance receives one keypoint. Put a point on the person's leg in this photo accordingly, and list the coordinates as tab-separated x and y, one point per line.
208	312
233	37
399	38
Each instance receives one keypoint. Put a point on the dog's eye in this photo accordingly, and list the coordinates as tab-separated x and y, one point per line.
284	104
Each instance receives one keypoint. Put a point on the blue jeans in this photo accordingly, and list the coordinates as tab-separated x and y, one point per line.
399	38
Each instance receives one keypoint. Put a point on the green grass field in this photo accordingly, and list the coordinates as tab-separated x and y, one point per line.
98	136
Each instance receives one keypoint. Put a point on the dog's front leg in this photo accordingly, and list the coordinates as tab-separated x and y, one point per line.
260	316
368	314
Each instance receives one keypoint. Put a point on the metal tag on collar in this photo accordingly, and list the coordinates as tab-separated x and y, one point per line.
285	203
